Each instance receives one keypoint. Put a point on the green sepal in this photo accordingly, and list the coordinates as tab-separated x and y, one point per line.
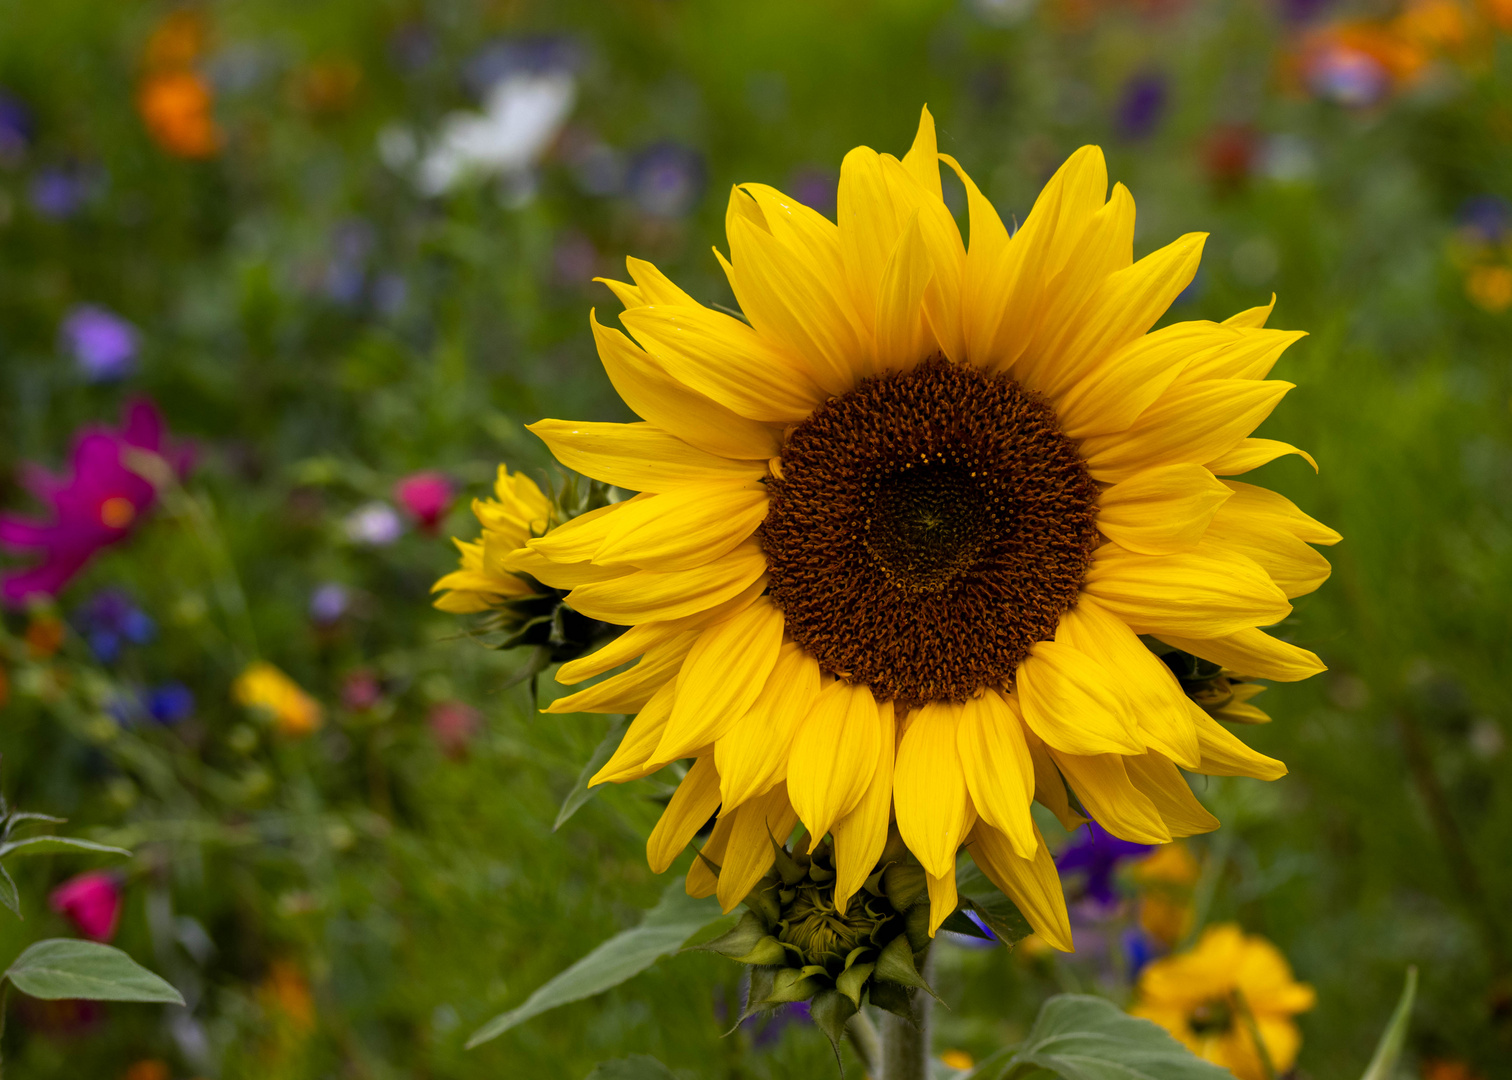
916	926
831	1011
758	988
763	901
855	954
790	984
891	997
787	867
896	965
853	980
957	922
903	883
744	943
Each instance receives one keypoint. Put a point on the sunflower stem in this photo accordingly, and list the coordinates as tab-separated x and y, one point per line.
905	1043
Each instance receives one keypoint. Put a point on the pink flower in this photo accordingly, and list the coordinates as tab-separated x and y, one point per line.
454	725
98	503
427	496
92	902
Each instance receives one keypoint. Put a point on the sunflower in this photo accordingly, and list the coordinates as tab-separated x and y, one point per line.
1216	997
518	511
900	527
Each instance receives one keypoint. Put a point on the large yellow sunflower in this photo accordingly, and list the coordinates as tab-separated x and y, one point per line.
900	527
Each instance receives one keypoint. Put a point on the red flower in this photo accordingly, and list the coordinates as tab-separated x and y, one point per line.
92	902
98	503
427	496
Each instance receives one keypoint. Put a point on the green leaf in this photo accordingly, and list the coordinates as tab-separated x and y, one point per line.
675	918
1383	1064
10	896
1090	1038
634	1067
581	792
62	968
52	845
1001	914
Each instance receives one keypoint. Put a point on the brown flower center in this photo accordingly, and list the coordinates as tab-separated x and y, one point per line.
927	530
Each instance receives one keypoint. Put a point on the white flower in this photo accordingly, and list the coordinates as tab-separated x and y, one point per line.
522	115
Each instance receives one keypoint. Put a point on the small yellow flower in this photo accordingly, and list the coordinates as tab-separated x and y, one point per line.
1166	879
1217	995
263	686
519	512
1490	287
957	1059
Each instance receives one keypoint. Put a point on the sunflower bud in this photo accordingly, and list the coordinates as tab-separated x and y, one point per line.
1221	693
802	947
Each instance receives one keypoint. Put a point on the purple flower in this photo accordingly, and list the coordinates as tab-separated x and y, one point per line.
15	129
503	59
329	603
1096	854
103	344
374	524
1485	217
666	179
1302	11
59	191
170	703
817	189
1141	105
109	620
96	504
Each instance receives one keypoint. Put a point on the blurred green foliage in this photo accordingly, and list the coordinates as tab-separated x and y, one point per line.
356	903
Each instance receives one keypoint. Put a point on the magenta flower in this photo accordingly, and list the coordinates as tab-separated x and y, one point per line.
427	496
98	503
92	902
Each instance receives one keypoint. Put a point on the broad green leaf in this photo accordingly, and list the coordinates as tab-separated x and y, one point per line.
1001	914
675	918
581	792
63	968
1383	1064
634	1067
52	845
1090	1038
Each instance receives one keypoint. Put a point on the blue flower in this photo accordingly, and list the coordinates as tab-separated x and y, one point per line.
666	180
103	344
1097	854
110	620
1141	105
169	703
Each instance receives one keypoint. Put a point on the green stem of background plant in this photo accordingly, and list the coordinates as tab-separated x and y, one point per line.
905	1043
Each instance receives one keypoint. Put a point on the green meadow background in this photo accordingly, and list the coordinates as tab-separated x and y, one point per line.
319	327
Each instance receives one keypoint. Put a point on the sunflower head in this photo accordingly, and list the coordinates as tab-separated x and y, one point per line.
902	523
803	944
518	609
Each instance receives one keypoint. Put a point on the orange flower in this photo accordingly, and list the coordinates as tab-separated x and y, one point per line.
177	42
286	990
1490	287
176	108
328	87
44	636
148	1069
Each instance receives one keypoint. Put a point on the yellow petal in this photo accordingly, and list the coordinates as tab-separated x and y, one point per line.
900	328
1102	784
942	896
834	756
693	803
1252	652
1032	884
1261	506
1206	592
684	528
726	361
655	287
1153	697
651	596
638	457
1225	754
1161	510
1164	785
929	787
702	880
656	396
748	852
868	225
789	281
1068	700
575	540
621	650
527	560
1252	453
721	678
1049	785
1295	568
1111	394
944	250
629	759
629	691
861	834
752	756
1246	354
991	270
998	769
1196	422
1252	317
923	159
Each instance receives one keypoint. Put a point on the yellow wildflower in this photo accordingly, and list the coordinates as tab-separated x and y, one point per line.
263	686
